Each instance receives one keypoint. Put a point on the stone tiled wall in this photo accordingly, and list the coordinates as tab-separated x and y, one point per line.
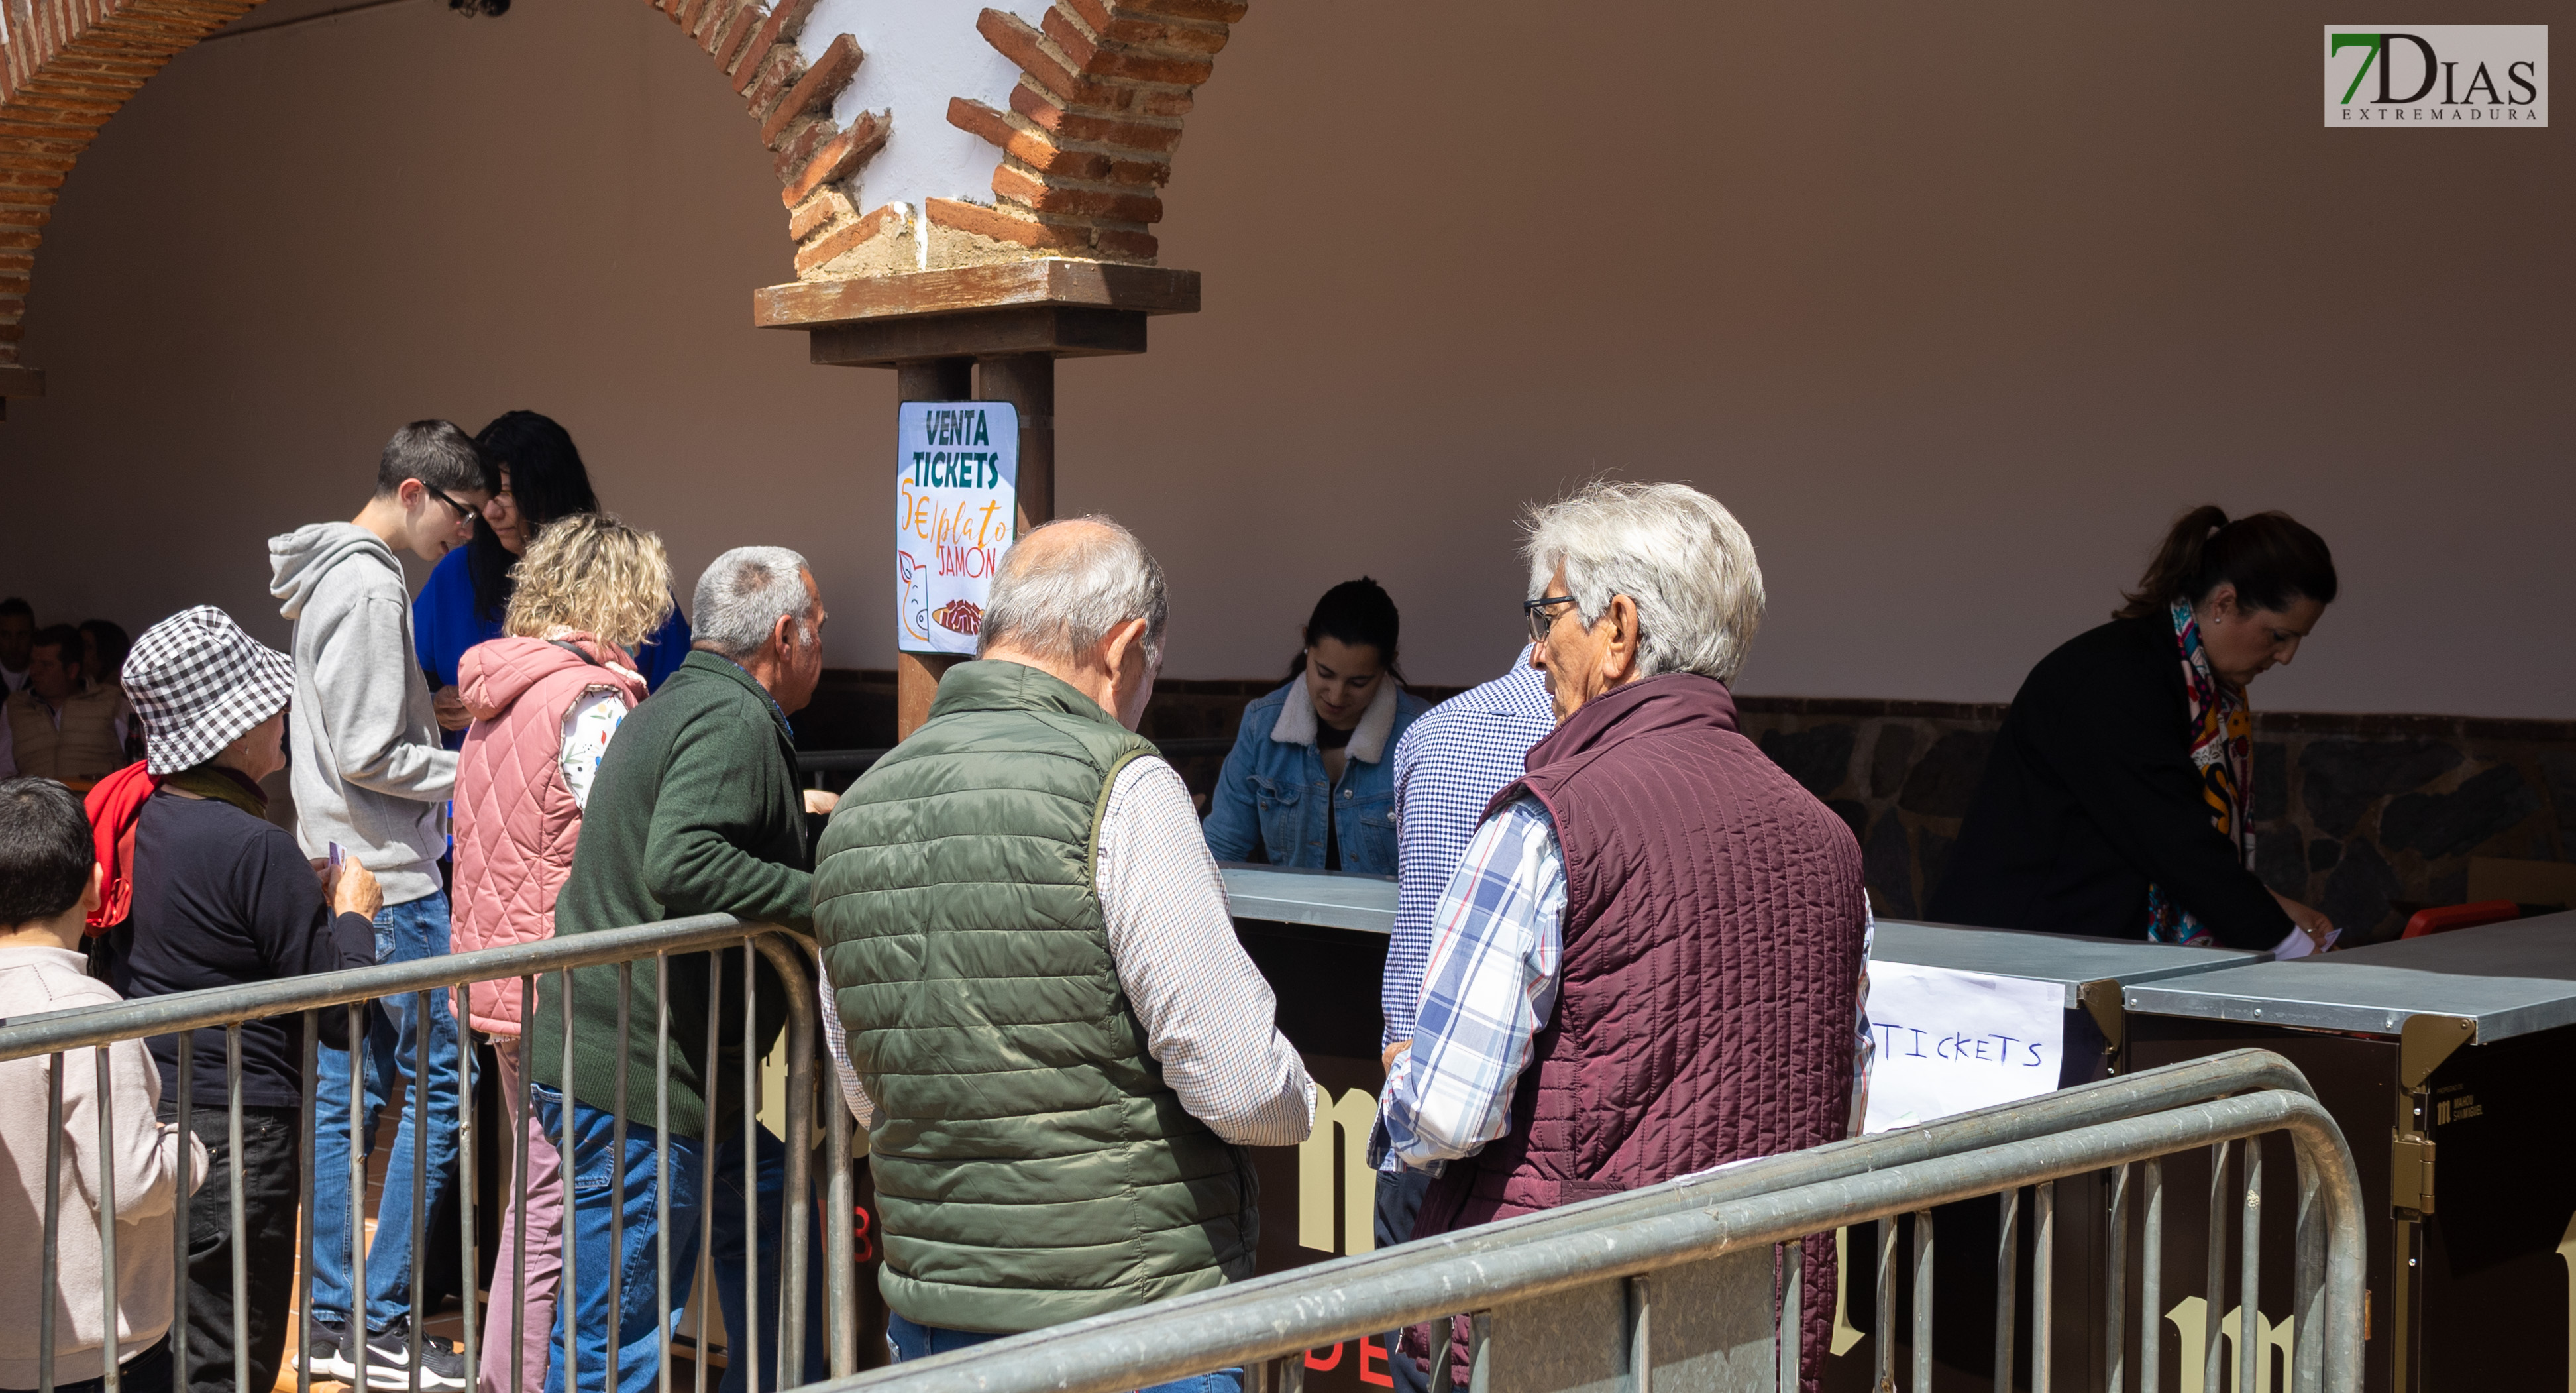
2369	818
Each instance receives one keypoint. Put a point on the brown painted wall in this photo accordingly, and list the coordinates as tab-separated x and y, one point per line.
1955	311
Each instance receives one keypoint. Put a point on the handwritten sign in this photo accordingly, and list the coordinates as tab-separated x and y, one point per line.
1951	1042
957	474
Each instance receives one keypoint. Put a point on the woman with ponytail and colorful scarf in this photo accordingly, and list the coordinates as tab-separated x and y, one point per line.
2117	803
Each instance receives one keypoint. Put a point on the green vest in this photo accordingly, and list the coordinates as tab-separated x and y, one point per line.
1031	1165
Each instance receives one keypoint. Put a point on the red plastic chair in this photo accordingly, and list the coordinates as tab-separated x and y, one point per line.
2460	916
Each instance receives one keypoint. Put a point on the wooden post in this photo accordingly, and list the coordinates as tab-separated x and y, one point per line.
1027	382
1014	319
916	675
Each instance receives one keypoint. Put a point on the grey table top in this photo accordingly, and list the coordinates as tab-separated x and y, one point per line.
2043	957
1332	899
1367	904
2511	979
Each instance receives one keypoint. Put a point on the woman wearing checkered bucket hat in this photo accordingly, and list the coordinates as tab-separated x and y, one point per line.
203	891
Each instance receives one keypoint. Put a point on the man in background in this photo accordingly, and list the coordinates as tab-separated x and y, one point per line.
1449	765
371	780
59	728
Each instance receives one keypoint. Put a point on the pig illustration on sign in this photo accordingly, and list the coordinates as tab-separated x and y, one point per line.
915	611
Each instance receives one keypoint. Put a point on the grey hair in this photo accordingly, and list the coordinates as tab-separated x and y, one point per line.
744	594
1059	602
1672	549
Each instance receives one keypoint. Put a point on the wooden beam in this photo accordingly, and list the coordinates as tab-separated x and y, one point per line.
1065	331
1090	284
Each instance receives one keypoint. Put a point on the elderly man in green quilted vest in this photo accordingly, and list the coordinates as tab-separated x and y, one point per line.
1054	1039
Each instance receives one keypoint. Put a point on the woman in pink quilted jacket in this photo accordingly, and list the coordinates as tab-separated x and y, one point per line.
546	696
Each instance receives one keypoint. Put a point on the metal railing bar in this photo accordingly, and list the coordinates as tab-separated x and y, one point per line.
2215	1297
2115	1278
181	1209
2043	1285
2250	1352
617	1174
1791	1324
802	1021
2307	1367
750	1354
2007	1284
568	1287
840	1262
1886	1314
107	1371
419	1101
53	1223
2151	1282
354	1328
702	1264
24	1036
463	1010
1922	1302
1271	1316
1480	1352
662	1172
1638	1299
240	1209
519	1186
308	1125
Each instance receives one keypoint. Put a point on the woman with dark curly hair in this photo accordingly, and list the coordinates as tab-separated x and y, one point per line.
2117	801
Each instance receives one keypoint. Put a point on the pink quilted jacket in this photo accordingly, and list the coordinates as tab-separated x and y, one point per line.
516	821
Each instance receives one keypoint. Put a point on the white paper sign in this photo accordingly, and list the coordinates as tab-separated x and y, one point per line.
957	474
1950	1042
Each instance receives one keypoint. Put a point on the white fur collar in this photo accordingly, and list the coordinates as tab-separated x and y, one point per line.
1368	740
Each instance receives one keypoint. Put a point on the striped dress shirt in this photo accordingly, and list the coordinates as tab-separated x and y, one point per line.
1209	1014
1450	764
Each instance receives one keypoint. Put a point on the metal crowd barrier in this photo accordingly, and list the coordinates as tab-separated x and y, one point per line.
1695	1283
55	1033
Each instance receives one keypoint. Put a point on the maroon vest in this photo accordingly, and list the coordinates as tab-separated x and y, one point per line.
1713	937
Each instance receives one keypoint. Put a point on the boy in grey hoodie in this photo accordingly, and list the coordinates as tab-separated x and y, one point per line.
369	775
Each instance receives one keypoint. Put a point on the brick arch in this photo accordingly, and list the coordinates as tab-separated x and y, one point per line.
1086	145
66	66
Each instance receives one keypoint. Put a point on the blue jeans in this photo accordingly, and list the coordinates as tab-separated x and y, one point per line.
590	1161
404	932
912	1340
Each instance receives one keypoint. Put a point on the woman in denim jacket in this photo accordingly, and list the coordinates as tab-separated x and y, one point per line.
1311	780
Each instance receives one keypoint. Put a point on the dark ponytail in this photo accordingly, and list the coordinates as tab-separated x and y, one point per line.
1359	613
2271	560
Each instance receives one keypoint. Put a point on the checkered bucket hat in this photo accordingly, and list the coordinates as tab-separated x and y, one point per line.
199	683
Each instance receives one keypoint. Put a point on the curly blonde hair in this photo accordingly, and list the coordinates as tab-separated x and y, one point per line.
590	572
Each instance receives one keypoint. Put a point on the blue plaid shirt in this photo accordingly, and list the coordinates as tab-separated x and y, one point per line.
1449	765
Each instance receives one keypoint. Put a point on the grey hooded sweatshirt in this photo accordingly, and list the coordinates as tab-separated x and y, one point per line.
368	771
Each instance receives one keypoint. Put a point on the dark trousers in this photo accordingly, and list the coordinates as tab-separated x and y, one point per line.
269	1180
1399	1198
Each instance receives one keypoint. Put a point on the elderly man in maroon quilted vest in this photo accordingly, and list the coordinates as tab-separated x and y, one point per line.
1648	962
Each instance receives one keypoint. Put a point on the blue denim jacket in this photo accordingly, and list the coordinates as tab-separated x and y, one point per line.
1273	793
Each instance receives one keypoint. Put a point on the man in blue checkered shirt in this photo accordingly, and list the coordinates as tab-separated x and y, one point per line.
1450	764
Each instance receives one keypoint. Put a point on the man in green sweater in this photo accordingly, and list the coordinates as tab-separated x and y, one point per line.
695	810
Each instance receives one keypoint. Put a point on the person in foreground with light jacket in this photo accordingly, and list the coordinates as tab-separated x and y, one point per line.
49	884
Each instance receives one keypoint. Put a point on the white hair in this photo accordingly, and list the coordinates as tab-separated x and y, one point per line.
745	593
1058	602
1670	548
